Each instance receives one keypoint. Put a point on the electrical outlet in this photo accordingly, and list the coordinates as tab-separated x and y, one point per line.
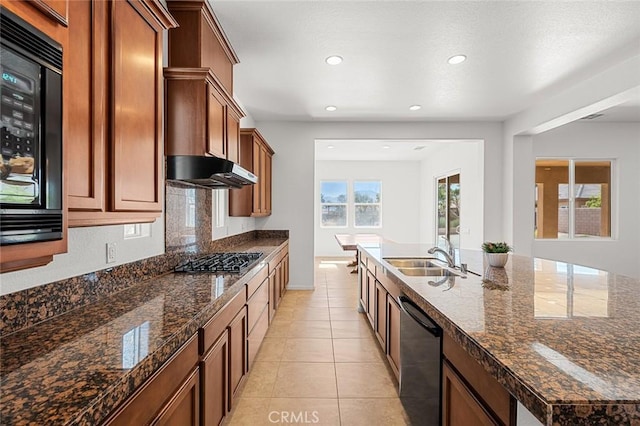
111	252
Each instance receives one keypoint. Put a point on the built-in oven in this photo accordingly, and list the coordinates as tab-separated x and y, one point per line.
30	133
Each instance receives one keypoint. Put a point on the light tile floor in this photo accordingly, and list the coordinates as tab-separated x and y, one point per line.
320	362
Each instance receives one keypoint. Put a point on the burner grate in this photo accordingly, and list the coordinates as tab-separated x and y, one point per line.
234	263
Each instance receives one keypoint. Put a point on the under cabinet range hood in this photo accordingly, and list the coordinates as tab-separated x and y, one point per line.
208	172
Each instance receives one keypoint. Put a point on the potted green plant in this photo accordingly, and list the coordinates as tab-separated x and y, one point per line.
497	254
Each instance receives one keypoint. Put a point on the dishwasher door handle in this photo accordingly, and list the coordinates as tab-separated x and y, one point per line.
427	325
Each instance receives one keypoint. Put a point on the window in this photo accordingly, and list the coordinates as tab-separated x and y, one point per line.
573	199
448	209
333	199
366	203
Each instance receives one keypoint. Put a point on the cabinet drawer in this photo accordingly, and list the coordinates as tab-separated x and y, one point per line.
216	325
149	400
257	303
256	281
257	335
488	390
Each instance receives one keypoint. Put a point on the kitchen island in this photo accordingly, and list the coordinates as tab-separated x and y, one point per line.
562	339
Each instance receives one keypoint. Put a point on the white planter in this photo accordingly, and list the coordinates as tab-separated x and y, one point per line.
497	260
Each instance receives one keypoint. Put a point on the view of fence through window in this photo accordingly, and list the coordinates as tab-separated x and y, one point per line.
366	197
573	199
333	199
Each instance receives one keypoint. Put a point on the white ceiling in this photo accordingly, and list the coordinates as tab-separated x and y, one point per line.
378	150
395	55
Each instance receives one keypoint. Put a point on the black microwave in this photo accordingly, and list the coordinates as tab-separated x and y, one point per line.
30	133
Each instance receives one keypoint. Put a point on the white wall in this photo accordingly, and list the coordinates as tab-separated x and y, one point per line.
400	201
467	159
619	141
293	174
617	84
87	253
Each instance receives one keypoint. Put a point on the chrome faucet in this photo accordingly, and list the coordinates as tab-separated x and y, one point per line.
446	255
449	252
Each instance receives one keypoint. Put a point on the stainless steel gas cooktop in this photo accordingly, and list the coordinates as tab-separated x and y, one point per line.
233	263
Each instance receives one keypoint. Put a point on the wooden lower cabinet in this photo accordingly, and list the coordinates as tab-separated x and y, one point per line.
169	396
214	369
362	276
470	392
393	335
257	333
238	353
371	303
184	407
459	406
380	316
272	295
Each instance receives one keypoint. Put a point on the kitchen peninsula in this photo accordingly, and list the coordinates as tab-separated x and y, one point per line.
560	338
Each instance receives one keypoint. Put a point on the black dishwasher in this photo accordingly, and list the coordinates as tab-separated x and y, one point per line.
420	364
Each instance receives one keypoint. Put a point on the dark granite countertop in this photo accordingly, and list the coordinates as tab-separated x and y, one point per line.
563	339
77	367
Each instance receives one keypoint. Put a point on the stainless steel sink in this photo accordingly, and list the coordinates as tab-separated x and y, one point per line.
426	272
413	262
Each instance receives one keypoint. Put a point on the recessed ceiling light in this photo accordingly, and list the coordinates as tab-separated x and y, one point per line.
334	60
385	147
331	108
457	59
330	147
415	107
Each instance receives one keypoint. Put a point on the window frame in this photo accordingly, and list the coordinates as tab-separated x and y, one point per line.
613	183
379	204
346	203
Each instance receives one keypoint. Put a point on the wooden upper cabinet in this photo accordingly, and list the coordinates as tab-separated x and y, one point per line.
255	155
201	117
200	41
233	136
216	119
87	133
58	10
114	166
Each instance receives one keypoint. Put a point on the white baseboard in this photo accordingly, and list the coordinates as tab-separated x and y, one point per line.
300	287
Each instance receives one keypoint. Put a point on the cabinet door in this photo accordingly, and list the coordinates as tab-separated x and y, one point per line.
284	277
381	314
215	382
363	286
58	10
136	169
263	179
272	295
233	137
371	303
257	162
267	183
216	117
393	335
459	406
184	407
238	353
85	77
